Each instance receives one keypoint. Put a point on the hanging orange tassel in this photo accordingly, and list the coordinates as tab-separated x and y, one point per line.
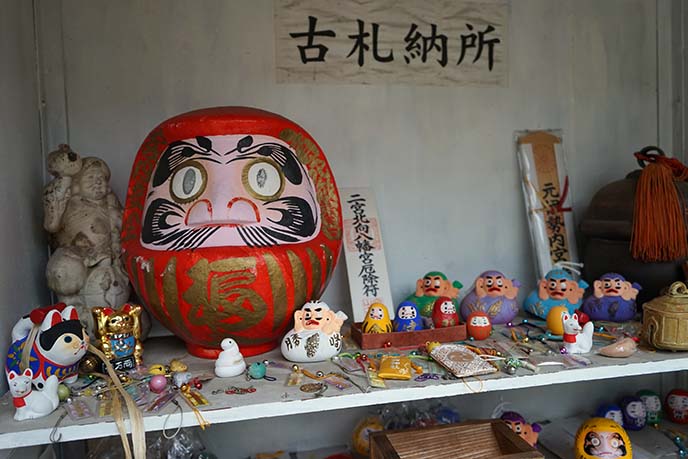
659	226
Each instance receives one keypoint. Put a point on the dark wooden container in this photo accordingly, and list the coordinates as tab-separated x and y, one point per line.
406	339
490	439
607	228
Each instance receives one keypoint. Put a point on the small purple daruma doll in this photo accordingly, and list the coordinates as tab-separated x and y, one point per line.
493	294
613	299
634	414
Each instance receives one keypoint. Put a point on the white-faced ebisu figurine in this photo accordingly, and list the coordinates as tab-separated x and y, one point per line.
315	336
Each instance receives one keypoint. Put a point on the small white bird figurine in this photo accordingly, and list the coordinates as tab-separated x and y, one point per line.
230	362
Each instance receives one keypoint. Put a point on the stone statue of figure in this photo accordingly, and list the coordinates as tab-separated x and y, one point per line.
84	219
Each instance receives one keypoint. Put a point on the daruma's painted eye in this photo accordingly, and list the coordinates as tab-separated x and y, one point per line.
263	179
188	182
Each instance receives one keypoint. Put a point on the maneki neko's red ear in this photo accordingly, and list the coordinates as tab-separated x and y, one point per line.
55	318
11	375
28	373
73	315
126	308
38	315
108	311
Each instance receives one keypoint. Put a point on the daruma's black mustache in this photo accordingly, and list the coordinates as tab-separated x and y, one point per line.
164	227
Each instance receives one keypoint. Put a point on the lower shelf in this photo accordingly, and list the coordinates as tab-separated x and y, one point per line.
273	399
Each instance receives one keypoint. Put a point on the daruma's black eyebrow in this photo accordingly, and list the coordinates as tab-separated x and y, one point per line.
178	152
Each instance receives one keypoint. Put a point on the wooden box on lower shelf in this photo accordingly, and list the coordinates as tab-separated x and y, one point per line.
490	439
406	339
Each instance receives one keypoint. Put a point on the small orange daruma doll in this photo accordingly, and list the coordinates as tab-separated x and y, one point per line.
232	222
478	325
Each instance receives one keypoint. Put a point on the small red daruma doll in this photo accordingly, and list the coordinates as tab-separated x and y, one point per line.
478	325
444	313
677	406
232	223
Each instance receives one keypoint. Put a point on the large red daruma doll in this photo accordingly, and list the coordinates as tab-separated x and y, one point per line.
232	222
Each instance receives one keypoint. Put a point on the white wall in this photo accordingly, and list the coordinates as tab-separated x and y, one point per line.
22	244
441	160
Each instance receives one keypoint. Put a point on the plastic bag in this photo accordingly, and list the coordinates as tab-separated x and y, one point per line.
547	195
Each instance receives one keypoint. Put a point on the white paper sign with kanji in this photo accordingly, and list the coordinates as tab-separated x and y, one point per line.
364	252
425	42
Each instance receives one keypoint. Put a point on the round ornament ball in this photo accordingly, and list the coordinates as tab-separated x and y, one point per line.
157	383
554	322
62	392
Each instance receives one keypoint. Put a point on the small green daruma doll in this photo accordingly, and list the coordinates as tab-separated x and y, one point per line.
653	405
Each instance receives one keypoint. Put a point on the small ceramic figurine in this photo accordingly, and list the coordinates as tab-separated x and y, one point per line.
612	412
625	347
84	219
377	320
431	286
258	370
494	294
517	423
613	299
677	406
29	403
478	325
444	313
634	413
230	362
558	288
315	336
577	339
59	345
602	438
407	318
118	333
653	405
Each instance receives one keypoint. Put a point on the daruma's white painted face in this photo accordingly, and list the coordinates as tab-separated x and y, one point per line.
231	190
615	415
376	313
447	307
652	402
480	321
407	312
636	410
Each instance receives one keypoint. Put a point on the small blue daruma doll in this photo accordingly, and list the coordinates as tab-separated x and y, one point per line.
558	288
407	318
610	411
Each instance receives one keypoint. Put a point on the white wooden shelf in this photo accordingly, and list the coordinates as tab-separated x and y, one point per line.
273	399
